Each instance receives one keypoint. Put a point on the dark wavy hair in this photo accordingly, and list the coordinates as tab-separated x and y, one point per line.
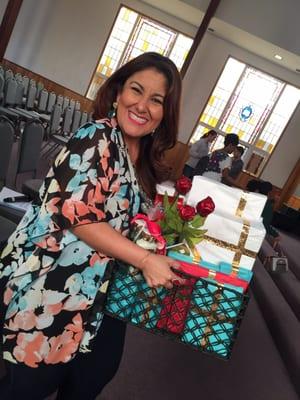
150	167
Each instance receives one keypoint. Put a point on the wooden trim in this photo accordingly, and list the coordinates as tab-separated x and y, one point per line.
8	22
51	86
291	184
210	12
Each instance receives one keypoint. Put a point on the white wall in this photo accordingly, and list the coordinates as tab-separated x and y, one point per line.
282	17
199	81
62	39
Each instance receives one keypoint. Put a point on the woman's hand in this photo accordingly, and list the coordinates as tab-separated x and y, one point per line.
157	270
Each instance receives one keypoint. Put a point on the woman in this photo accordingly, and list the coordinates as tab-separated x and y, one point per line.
199	150
57	265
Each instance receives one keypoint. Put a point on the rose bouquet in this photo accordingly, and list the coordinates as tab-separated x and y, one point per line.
181	223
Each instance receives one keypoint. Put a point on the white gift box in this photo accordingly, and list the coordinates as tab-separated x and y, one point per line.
227	199
167	186
233	240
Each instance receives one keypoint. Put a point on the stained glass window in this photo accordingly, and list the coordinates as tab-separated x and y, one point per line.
252	104
133	34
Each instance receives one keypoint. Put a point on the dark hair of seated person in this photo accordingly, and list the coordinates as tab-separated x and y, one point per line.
265	187
253	185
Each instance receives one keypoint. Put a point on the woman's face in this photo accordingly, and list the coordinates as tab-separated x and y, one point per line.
140	103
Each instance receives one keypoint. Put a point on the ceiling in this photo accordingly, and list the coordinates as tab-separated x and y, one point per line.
190	12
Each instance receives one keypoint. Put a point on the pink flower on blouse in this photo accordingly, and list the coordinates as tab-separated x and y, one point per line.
64	346
31	348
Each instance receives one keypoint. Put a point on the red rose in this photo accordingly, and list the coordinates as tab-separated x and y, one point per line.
187	213
205	207
183	185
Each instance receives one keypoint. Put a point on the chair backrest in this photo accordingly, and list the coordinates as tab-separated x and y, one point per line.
26	84
31	96
55	119
84	118
42	104
30	147
90	117
9	74
39	88
10	91
72	104
2	71
51	102
1	85
76	121
32	82
19	93
77	105
67	120
60	99
7	132
65	103
18	76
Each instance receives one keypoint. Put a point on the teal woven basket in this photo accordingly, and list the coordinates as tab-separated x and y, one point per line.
199	313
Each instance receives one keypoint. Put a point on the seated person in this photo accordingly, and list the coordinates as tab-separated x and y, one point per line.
253	186
237	165
197	151
219	162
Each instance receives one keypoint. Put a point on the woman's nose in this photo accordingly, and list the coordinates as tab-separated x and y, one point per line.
142	104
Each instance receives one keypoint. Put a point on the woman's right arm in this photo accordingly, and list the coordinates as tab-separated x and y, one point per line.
105	239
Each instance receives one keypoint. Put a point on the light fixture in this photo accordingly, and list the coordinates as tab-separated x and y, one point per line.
278	57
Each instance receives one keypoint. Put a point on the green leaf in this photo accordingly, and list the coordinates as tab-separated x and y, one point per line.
197	221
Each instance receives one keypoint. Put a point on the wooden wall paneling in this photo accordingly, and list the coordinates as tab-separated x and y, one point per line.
175	158
291	184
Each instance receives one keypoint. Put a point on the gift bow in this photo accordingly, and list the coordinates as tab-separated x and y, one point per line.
154	230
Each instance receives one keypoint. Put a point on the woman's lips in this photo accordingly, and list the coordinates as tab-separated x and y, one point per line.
136	119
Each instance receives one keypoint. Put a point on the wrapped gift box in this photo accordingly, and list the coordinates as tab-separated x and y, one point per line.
232	240
227	199
225	268
210	272
169	188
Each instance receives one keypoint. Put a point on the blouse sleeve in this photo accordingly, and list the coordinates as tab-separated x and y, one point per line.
83	177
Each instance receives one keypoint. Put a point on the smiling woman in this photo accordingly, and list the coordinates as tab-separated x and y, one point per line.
55	336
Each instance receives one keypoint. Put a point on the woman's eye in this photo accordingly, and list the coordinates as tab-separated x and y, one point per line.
157	100
136	89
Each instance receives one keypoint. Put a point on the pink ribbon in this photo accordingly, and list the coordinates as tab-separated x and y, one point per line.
154	230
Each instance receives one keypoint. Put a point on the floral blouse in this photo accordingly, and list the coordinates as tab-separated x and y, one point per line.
55	284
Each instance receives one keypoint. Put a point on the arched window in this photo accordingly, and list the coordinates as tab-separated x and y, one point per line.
133	34
252	104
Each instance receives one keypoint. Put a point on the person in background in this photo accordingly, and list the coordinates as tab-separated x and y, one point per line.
56	267
219	162
266	188
237	165
198	151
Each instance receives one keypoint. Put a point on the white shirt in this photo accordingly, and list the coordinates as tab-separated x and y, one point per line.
217	176
198	150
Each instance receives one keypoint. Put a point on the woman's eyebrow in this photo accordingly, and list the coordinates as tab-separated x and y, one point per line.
142	88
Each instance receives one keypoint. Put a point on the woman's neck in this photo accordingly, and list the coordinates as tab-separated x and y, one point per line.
133	146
